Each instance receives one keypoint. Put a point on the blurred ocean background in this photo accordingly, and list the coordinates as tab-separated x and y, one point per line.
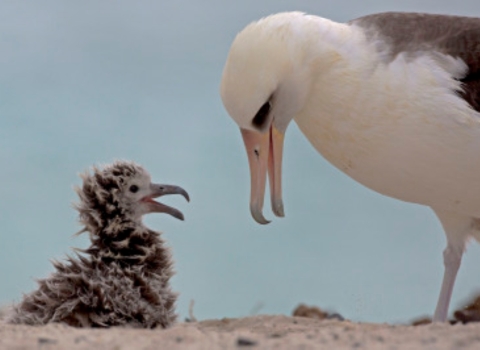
86	82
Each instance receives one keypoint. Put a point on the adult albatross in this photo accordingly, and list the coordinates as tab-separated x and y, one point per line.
391	99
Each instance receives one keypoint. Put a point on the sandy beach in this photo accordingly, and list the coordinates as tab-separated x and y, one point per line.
262	332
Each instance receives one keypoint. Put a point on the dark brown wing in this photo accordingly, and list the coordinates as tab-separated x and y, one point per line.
412	33
468	44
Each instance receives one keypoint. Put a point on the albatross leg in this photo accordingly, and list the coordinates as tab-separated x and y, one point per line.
451	259
457	229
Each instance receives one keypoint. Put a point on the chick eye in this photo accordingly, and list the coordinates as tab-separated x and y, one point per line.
133	188
261	116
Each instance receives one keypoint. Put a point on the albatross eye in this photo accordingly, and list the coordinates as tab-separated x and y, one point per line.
133	188
261	116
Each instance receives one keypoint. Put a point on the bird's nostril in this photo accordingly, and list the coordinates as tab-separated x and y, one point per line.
162	188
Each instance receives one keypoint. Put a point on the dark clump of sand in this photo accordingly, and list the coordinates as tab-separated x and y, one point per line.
466	314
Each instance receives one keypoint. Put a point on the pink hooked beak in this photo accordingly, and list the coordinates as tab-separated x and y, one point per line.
264	152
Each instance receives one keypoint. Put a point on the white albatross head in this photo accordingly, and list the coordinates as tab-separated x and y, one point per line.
265	84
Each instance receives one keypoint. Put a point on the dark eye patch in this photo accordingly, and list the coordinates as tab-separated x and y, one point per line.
261	116
133	188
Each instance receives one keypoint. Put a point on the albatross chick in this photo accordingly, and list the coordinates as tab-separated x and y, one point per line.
123	277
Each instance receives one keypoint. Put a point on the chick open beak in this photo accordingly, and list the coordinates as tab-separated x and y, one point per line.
158	190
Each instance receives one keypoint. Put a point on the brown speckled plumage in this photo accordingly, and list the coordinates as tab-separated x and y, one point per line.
123	277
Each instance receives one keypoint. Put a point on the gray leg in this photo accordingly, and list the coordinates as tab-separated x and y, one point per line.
457	229
452	258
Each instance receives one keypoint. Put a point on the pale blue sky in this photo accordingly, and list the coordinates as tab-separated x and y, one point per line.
84	82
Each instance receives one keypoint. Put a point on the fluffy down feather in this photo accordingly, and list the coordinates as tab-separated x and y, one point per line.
122	278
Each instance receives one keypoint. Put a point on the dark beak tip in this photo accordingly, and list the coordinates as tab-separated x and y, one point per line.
185	194
259	218
277	208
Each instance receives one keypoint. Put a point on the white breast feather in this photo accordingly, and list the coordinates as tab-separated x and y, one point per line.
399	128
